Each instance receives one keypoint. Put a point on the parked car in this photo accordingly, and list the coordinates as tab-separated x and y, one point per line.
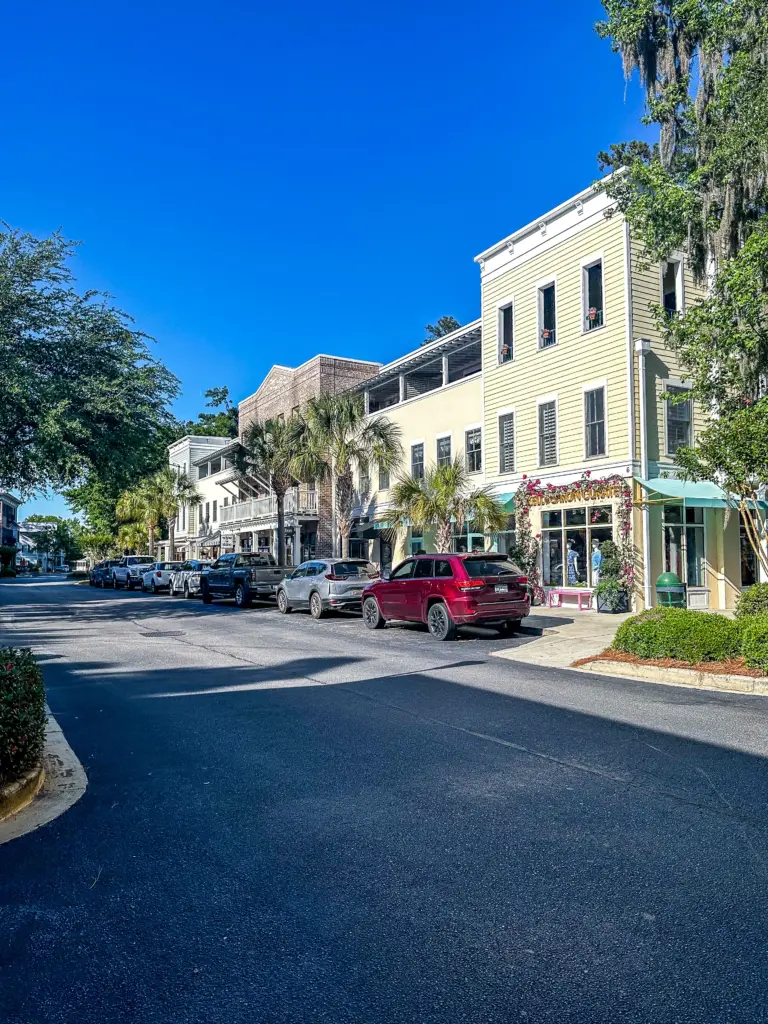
129	571
446	591
326	584
101	573
158	576
61	568
186	579
242	576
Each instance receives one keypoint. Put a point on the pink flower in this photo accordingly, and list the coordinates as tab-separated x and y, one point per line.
525	476
588	473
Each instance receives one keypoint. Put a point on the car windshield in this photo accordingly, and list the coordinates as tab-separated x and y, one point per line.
486	566
254	559
169	565
354	569
141	560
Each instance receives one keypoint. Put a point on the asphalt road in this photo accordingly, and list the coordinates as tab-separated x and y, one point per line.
298	821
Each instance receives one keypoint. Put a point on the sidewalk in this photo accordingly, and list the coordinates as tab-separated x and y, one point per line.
567	635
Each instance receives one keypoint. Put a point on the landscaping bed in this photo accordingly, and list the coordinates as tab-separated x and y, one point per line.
22	724
734	667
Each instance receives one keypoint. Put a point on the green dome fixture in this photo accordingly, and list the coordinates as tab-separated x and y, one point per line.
669	579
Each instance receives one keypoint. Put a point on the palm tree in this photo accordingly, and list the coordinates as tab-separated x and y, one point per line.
171	488
267	453
141	504
444	499
132	537
333	438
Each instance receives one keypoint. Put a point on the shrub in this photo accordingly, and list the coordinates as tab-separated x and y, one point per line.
22	713
754	641
681	634
610	567
7	571
753	601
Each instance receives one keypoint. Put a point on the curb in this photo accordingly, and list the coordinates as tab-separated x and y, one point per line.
15	796
689	677
63	782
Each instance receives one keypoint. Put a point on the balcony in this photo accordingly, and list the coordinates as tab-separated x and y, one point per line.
300	500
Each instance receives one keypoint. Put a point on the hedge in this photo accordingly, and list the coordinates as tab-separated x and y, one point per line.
753	601
681	634
22	713
754	641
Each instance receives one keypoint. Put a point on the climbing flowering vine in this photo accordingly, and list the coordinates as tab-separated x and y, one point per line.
587	489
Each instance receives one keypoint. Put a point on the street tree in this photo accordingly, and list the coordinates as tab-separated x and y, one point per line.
79	388
445	501
333	438
143	504
445	325
266	458
173	489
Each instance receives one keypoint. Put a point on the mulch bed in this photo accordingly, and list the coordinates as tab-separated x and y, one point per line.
734	667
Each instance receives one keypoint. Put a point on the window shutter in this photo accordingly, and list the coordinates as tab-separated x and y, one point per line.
547	434
507	443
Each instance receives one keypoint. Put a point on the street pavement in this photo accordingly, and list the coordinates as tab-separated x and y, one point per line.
299	821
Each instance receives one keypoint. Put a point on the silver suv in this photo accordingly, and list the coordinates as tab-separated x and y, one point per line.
325	584
129	571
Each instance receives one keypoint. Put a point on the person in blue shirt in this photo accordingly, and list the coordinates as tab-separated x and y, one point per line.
597	561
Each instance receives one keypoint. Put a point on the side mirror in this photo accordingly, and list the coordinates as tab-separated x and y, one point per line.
385	574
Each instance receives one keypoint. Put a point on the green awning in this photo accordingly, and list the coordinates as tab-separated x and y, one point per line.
695	494
508	501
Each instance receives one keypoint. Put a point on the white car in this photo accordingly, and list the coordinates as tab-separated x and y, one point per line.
158	576
186	579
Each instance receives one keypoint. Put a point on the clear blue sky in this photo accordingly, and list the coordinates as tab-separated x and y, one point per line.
256	183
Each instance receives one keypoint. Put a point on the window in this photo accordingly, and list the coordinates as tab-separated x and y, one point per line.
202	471
403	571
592	285
670	287
417	461
364	483
357	549
507	443
678	421
594	422
506	333
547	320
506	539
383	479
474	450
569	539
215	509
417	544
548	434
425	569
444	451
684	543
443	569
215	466
207	511
226	502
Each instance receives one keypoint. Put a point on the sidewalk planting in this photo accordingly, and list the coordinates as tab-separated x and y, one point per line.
22	714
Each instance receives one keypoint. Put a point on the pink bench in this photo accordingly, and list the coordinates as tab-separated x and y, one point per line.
556	594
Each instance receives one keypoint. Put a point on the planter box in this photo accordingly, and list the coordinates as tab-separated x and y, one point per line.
622	606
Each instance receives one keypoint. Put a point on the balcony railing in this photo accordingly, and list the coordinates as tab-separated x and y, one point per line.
593	319
548	337
299	499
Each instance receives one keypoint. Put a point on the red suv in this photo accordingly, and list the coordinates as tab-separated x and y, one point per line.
447	591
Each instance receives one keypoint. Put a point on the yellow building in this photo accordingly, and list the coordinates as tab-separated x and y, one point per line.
555	396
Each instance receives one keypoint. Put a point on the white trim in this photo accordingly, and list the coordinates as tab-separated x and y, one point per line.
592	261
544	400
539	287
678	258
508	411
501	305
595	385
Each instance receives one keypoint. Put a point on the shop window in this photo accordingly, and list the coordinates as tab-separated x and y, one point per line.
444	451
592	295
548	434
417	461
547	317
506	333
749	566
594	422
679	416
507	539
684	543
474	450
568	539
468	541
507	443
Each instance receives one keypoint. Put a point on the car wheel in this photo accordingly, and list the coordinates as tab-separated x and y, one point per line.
242	597
440	623
316	609
372	616
153	587
115	584
282	602
206	595
187	592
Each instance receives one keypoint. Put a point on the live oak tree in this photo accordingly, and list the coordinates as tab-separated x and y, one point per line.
702	187
81	397
445	325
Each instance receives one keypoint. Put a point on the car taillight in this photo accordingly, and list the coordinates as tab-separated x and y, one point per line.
470	584
521	579
332	577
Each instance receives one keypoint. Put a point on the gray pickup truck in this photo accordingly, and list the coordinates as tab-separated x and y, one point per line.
129	571
243	576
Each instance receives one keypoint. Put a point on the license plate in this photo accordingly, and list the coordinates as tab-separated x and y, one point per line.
501	588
